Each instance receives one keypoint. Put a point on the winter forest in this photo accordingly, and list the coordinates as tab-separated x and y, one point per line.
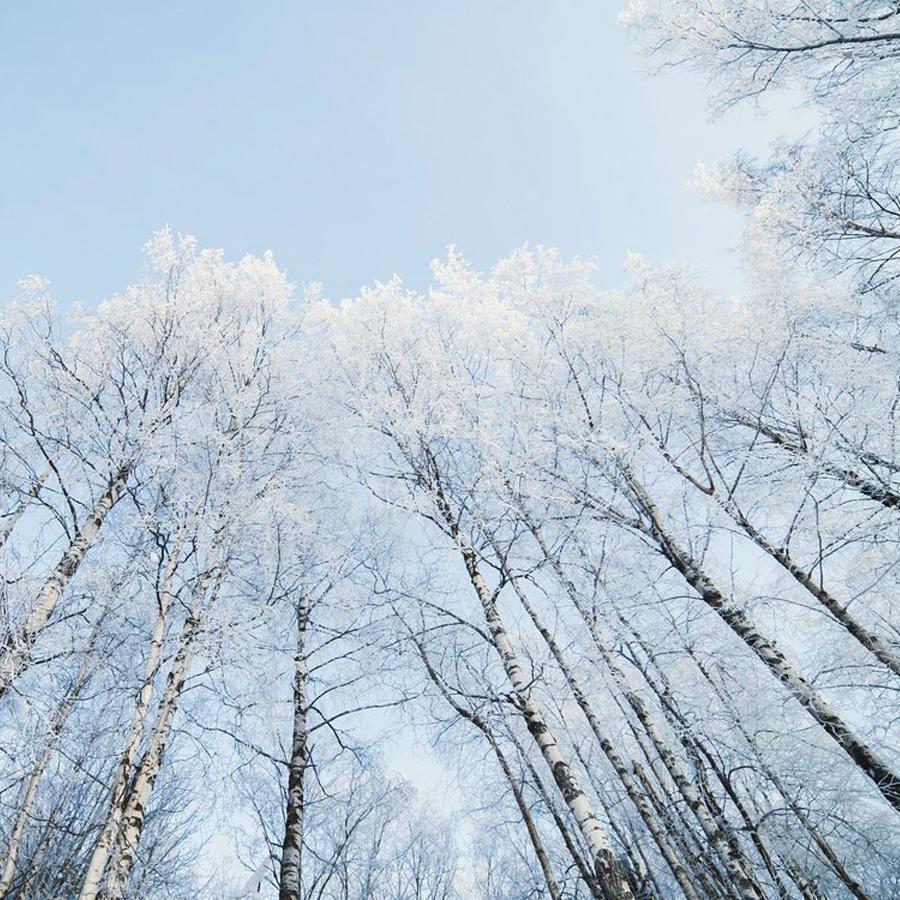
625	561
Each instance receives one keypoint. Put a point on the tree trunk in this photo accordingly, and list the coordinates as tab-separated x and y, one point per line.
697	751
604	861
606	866
15	656
878	492
884	778
292	845
619	766
879	648
575	854
13	518
141	789
524	811
733	859
138	798
714	882
530	826
116	807
852	885
26	805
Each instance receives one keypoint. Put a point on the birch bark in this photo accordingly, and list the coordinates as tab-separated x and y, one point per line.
619	766
878	647
26	805
878	492
605	864
292	844
482	726
852	885
27	500
607	867
872	642
116	807
141	789
15	656
884	778
588	876
734	861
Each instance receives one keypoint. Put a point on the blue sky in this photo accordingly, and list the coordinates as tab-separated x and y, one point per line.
354	139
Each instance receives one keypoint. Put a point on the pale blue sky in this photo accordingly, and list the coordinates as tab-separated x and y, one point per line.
354	139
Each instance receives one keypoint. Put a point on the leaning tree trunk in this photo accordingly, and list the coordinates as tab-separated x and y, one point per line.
528	820
852	885
15	656
608	869
619	766
26	806
878	491
292	844
569	840
138	798
885	779
116	807
486	732
698	752
141	789
734	860
882	650
605	863
31	495
875	644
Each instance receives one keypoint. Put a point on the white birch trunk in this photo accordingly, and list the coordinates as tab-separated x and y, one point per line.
524	811
619	765
292	844
879	492
116	807
852	885
141	789
15	657
883	651
134	813
869	762
528	820
590	878
26	805
878	647
606	866
735	863
13	518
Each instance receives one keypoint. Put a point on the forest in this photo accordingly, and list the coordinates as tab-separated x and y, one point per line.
623	562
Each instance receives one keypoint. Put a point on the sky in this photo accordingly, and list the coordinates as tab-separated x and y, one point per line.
355	140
